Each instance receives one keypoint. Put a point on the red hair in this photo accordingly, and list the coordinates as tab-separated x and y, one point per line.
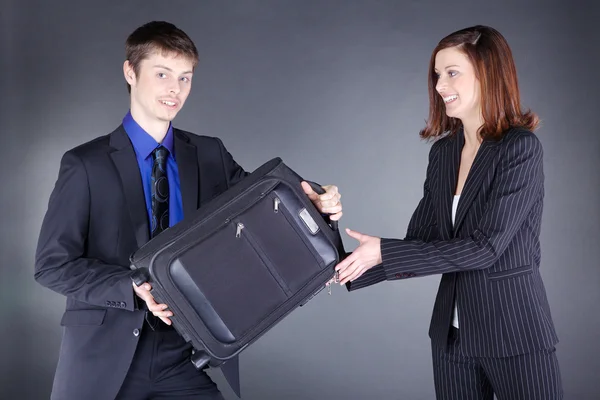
492	60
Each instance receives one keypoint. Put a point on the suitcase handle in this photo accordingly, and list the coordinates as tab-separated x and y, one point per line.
140	276
319	190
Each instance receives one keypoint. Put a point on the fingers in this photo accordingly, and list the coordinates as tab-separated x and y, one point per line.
329	205
326	203
332	209
343	265
350	271
331	191
336	217
159	310
355	275
328	200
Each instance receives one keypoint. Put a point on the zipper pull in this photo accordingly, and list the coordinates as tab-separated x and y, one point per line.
238	232
276	204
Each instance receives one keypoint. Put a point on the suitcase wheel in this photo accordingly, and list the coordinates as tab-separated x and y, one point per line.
140	276
200	359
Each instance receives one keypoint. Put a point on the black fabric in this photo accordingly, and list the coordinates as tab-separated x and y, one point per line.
160	213
162	369
235	267
160	191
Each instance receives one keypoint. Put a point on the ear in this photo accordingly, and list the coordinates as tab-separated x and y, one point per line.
129	73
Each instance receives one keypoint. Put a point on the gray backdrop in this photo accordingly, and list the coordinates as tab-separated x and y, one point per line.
338	90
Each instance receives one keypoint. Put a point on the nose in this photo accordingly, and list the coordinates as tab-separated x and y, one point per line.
441	85
174	87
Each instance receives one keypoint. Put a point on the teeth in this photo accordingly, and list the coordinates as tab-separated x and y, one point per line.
169	103
450	98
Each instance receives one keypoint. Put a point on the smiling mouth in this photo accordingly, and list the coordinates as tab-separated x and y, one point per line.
168	103
450	99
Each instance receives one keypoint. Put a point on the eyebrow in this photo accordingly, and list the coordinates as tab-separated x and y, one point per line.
449	66
170	70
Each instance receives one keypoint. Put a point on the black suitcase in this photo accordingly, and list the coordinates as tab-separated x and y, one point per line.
240	264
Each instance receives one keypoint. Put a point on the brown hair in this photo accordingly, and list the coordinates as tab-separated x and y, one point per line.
492	60
158	36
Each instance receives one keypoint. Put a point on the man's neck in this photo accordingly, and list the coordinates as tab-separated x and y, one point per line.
155	128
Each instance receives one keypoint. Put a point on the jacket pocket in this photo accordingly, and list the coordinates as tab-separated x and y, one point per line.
82	317
510	273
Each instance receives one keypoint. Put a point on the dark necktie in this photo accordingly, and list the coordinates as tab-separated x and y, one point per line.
160	207
160	191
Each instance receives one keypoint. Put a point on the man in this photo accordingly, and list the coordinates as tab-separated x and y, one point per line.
112	195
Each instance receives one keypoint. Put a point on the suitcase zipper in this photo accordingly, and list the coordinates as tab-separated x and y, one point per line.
238	232
147	249
263	257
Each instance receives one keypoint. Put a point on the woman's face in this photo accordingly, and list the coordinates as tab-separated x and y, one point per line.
457	85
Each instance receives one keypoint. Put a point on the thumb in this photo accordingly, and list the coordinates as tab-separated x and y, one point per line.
356	235
309	190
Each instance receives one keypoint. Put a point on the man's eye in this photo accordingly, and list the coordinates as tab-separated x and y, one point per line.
162	75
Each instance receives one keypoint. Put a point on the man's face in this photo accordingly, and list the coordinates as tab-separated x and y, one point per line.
161	86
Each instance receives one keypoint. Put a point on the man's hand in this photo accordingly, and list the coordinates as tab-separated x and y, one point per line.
159	310
326	203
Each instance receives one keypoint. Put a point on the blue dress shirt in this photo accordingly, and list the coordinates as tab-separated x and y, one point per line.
144	145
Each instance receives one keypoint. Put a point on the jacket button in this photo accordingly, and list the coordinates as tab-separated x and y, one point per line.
136	332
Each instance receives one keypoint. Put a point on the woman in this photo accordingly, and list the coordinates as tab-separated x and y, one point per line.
478	224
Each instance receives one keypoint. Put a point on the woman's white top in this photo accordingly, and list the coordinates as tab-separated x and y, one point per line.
454	207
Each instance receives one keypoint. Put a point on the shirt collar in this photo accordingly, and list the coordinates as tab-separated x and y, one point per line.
143	143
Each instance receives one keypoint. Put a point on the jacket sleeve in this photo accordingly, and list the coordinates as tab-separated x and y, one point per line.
421	222
518	186
61	264
233	171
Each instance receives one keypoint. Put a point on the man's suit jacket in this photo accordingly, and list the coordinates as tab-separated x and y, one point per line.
96	219
490	258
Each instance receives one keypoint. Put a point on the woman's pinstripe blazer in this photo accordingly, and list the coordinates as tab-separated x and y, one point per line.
490	258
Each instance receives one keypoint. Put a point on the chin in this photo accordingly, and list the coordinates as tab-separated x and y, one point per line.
168	117
453	114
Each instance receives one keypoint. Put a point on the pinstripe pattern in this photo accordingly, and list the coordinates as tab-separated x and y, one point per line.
532	376
490	258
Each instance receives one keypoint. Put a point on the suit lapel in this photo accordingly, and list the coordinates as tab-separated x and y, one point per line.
187	164
126	163
479	169
449	162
